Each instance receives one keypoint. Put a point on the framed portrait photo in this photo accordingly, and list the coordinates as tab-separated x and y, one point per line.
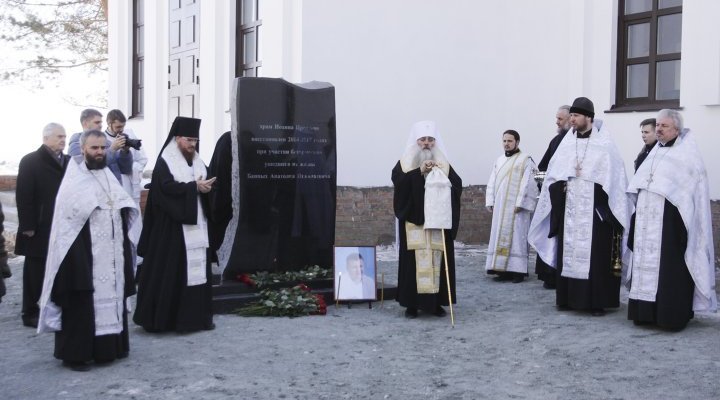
355	273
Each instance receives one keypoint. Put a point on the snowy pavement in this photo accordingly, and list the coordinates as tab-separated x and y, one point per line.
509	342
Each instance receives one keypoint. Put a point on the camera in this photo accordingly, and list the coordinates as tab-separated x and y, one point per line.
134	143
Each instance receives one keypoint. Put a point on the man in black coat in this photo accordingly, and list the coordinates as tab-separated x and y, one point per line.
649	138
39	177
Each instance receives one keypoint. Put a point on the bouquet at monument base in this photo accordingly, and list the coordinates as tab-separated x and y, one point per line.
296	301
263	278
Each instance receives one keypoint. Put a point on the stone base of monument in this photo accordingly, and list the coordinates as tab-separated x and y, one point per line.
229	296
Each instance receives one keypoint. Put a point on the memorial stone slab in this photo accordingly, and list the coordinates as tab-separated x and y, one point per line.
284	177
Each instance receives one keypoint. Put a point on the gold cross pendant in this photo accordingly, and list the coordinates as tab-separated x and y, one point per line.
578	168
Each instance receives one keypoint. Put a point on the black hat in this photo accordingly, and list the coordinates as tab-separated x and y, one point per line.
583	105
183	126
187	127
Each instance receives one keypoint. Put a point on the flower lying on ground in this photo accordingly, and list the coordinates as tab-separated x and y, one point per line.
296	301
264	278
246	279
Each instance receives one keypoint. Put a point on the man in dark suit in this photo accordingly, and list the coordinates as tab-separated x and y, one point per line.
39	177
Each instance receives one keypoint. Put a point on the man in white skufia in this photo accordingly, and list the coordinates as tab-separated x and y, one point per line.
511	196
355	284
582	218
421	179
89	270
673	268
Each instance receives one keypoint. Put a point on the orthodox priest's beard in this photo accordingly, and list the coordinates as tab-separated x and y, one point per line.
95	162
425	155
188	154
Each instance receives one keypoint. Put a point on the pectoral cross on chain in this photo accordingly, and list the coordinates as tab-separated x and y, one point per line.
578	169
650	179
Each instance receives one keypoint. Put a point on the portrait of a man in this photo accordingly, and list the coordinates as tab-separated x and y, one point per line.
355	273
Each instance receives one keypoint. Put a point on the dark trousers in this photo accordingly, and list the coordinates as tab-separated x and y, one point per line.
33	276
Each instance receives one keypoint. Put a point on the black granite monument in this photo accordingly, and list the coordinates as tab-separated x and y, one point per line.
283	177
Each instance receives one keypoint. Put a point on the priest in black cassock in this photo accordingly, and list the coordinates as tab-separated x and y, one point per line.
89	268
673	269
422	282
580	223
221	196
174	288
545	272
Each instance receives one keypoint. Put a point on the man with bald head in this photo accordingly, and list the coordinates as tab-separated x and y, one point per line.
544	272
422	177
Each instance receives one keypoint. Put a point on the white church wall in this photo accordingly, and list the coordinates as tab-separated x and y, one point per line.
481	68
477	68
394	63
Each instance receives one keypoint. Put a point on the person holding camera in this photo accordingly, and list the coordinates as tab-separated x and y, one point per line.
118	156
125	139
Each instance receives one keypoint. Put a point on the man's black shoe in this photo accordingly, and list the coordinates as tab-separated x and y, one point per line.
502	277
518	278
548	285
30	322
411	313
5	268
440	312
76	366
597	312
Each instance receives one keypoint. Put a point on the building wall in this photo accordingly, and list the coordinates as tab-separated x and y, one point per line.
477	68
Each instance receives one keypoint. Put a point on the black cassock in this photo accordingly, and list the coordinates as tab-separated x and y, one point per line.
221	196
602	288
672	308
164	301
73	292
643	155
545	272
409	205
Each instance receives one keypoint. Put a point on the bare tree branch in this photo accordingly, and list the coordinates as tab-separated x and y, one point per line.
51	37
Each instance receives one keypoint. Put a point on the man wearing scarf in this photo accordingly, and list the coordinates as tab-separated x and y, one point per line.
89	269
174	290
580	223
510	196
673	268
422	282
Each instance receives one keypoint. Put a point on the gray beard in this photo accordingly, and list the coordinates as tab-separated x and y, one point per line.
563	131
425	155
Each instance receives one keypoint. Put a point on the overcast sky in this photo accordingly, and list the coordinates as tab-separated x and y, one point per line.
25	110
